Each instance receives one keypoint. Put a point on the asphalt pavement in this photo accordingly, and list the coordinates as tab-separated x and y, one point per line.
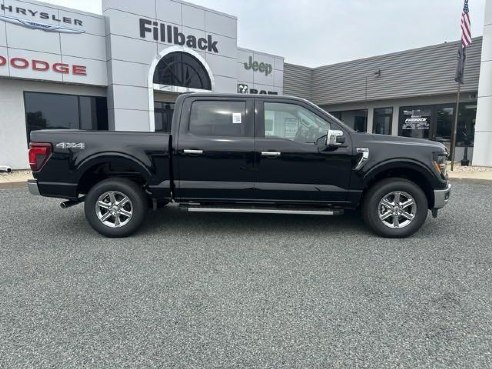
244	291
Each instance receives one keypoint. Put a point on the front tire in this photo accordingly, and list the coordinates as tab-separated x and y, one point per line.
395	208
116	207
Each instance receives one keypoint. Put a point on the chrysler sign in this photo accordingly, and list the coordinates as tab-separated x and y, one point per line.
20	16
37	25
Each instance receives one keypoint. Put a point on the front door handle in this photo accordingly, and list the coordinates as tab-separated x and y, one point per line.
271	154
193	152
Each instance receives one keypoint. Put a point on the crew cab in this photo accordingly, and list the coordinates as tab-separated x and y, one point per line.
242	154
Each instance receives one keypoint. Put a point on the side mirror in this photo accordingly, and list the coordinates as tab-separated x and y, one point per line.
335	138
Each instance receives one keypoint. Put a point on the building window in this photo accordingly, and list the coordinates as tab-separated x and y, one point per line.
163	116
355	119
382	121
182	69
219	118
56	111
415	121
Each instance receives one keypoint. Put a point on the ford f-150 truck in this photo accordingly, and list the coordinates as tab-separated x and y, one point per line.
242	154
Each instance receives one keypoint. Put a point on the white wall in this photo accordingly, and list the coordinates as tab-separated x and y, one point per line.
261	81
132	58
483	129
13	134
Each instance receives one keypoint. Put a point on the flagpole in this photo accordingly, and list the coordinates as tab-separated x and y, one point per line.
466	40
455	126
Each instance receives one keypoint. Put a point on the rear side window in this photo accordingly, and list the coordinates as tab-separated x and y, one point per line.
219	118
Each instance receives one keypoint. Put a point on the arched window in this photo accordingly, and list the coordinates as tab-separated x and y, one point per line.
182	69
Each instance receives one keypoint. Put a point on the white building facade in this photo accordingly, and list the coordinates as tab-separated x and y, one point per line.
122	70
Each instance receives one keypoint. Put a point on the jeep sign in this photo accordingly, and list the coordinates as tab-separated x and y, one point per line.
258	67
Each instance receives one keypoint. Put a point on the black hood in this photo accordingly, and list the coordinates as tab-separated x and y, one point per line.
397	140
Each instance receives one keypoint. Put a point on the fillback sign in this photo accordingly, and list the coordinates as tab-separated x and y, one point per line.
172	35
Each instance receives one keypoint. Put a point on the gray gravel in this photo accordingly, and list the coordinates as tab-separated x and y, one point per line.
244	291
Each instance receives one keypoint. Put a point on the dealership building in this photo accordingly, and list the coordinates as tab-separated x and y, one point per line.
122	70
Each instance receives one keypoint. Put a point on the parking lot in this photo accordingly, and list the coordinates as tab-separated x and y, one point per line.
252	291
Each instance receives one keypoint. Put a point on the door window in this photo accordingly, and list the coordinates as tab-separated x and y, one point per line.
293	122
219	118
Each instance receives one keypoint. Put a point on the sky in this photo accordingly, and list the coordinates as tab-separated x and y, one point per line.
320	32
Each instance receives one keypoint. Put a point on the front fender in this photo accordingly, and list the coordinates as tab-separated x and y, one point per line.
369	173
387	165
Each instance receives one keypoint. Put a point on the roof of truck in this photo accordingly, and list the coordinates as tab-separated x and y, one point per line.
235	95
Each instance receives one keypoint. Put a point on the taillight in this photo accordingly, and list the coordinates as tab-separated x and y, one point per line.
39	153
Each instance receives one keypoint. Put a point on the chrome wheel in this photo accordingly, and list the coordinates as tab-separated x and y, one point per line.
114	209
397	209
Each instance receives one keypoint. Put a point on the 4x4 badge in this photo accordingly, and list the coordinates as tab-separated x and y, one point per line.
71	145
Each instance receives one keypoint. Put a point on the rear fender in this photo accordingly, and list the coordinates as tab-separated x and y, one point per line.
116	159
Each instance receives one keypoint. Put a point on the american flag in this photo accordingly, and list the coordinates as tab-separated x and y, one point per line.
466	40
465	26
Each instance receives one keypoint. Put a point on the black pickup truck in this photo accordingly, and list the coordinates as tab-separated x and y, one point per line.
242	154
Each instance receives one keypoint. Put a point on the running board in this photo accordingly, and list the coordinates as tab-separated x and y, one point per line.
200	209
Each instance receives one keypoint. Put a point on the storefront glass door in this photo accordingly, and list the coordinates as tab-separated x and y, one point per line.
444	116
435	122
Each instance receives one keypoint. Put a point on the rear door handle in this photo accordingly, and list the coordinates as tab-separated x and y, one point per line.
271	154
193	152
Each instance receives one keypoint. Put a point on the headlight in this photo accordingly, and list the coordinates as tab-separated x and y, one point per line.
440	163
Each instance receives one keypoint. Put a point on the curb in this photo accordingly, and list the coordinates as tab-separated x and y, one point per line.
485	181
16	184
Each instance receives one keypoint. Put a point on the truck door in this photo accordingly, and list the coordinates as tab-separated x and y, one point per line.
215	150
291	164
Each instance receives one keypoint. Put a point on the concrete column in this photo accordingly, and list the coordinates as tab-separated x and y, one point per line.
396	116
482	153
370	119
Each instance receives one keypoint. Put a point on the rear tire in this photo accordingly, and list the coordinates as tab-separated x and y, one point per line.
116	207
395	208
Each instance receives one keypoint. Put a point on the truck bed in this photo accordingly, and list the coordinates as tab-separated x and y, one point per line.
78	153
